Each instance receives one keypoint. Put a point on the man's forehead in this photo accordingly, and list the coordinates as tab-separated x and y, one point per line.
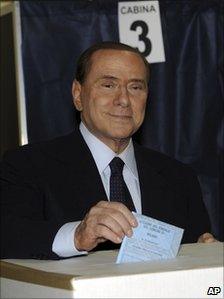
115	59
111	60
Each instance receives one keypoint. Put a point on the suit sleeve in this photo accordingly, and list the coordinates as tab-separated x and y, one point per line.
26	230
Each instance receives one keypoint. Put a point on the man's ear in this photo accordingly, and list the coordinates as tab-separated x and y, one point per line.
76	92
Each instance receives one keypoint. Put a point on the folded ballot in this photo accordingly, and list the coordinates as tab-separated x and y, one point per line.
151	240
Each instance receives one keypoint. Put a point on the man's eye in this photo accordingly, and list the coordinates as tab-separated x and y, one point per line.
108	85
137	87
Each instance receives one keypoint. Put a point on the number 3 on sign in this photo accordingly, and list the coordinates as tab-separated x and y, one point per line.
140	27
143	36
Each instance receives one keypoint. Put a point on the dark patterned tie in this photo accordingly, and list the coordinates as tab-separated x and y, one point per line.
118	188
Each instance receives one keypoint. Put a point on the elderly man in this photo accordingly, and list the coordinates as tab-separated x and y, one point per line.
64	197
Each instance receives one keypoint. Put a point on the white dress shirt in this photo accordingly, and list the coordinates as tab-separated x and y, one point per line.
63	244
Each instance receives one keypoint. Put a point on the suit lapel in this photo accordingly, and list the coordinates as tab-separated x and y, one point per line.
84	176
153	186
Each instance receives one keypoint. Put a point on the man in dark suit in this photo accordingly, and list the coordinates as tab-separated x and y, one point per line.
58	196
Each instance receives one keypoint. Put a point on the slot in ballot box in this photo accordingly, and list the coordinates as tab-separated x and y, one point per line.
197	272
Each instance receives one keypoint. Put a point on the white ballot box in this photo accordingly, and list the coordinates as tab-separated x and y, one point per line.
197	272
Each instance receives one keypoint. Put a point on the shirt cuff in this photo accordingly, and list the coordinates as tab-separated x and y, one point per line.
63	244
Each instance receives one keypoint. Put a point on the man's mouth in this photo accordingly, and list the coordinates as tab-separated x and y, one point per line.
126	116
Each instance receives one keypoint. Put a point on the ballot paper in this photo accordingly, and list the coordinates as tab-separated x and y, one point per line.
151	240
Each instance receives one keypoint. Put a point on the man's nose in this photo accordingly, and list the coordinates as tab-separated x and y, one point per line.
123	97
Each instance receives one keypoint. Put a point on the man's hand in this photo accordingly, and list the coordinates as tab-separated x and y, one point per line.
207	238
105	221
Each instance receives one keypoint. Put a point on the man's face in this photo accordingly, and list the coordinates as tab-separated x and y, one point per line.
113	96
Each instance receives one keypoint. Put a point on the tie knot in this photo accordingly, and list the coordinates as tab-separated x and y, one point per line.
116	166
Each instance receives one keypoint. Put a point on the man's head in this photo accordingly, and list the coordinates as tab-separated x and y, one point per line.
84	61
110	91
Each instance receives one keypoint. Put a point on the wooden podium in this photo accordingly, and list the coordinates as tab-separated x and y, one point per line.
195	272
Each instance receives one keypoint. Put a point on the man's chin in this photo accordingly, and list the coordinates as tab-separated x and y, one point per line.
122	134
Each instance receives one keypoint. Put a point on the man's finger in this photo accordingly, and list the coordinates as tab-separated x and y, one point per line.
206	238
122	209
105	233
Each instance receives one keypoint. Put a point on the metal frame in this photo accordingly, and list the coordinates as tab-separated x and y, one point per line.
20	86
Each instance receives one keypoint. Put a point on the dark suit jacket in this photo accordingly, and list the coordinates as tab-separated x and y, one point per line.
48	184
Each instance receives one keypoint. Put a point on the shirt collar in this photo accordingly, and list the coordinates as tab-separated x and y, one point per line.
102	154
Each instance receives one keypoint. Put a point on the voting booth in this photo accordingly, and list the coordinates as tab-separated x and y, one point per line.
197	272
184	115
181	86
